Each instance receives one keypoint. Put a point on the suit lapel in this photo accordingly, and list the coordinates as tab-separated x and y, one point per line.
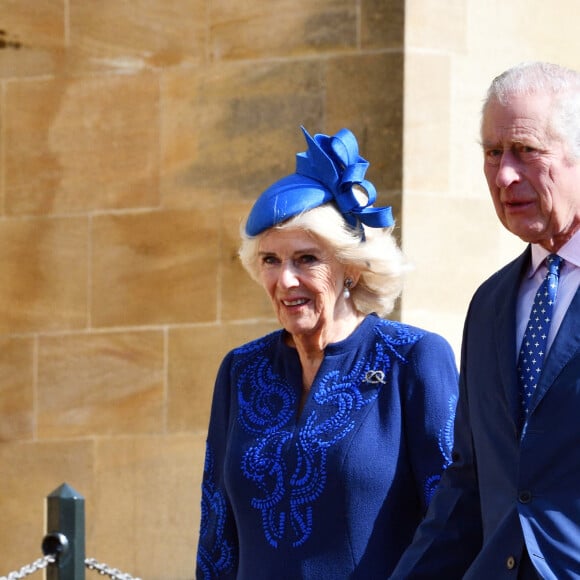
565	346
505	330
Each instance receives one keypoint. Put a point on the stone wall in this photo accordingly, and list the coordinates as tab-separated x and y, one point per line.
134	136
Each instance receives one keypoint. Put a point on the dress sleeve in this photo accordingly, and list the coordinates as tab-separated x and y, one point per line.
217	552
453	518
429	411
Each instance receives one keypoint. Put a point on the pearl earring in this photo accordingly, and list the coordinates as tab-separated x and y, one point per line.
347	286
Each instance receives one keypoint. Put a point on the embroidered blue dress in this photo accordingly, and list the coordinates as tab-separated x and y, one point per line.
336	491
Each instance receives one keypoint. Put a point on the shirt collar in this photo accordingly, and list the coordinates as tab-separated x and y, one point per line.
570	252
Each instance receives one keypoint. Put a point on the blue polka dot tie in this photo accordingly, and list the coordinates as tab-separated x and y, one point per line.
535	338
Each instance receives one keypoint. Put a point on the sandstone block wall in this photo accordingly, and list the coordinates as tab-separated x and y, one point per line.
134	136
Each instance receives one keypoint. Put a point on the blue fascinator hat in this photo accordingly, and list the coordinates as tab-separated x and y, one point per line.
330	170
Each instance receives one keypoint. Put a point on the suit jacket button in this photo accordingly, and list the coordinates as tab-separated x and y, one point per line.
525	496
510	563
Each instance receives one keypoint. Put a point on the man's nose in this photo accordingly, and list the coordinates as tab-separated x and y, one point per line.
508	171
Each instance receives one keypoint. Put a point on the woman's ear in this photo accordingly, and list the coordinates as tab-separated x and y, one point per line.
352	275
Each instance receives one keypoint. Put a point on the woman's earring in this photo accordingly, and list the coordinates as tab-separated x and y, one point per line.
347	286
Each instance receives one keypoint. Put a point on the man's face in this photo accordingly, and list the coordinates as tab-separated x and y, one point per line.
534	182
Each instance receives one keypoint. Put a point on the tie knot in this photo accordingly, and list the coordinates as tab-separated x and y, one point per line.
554	262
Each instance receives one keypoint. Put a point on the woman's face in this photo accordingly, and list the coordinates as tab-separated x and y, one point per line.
303	280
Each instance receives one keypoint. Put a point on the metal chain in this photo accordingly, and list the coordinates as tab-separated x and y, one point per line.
103	569
90	563
30	568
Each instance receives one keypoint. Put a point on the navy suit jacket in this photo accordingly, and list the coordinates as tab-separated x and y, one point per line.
505	490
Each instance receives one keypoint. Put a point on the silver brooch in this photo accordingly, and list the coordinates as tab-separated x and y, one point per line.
374	377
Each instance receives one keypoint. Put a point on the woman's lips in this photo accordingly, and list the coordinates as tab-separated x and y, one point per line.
295	302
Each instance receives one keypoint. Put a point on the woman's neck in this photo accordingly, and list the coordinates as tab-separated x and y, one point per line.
311	346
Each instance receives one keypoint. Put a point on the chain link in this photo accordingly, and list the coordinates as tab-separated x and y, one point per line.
30	568
90	563
103	569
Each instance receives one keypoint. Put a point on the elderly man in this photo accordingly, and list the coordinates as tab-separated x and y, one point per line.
509	505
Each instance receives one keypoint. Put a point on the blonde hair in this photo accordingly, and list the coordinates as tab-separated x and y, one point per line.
373	252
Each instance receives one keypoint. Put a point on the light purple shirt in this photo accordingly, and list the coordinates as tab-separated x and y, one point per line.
568	284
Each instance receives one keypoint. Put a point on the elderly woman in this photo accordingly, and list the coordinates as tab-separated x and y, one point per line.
328	436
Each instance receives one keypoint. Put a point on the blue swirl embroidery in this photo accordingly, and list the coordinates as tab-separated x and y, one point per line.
290	471
265	409
445	446
446	433
220	557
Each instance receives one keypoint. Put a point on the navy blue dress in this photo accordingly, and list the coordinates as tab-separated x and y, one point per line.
336	491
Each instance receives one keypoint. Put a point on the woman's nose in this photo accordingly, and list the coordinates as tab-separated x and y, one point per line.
288	277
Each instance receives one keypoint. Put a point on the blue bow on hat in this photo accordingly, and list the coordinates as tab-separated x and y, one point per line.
330	170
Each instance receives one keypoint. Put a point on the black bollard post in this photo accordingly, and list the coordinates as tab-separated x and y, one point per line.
65	534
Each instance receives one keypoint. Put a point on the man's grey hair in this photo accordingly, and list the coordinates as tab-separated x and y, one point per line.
532	78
